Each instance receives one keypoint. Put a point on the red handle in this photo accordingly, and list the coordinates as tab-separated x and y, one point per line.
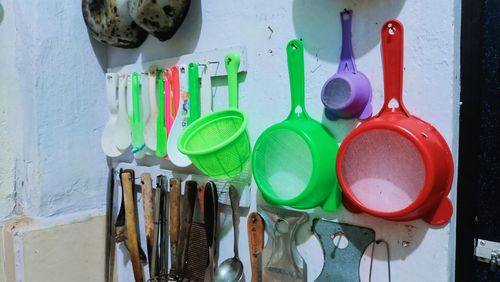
392	59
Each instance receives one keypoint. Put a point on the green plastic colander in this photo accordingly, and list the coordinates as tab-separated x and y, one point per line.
294	161
218	143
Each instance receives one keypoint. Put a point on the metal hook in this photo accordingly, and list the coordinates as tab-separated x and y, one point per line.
388	258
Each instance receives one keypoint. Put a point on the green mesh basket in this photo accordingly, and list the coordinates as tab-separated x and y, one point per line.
218	143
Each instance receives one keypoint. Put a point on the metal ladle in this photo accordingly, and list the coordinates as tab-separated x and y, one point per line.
231	270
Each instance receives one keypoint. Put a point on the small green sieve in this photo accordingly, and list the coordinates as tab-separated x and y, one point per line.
218	143
294	161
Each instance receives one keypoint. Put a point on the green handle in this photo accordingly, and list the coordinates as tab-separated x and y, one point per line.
295	59
161	131
194	93
232	62
136	124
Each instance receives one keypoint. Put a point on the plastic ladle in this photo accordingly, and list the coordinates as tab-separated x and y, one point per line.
136	124
108	143
122	127
348	93
150	127
178	158
231	269
161	130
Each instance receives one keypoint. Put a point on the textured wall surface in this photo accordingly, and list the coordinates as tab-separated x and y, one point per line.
53	110
431	91
61	169
9	103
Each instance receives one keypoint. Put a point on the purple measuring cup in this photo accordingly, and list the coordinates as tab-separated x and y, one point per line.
348	93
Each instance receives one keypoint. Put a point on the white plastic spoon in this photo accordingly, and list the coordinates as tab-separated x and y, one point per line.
150	128
108	134
122	126
206	92
178	158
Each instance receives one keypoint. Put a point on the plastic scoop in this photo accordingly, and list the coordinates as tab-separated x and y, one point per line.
206	92
173	79
122	127
136	124
194	93
108	134
178	158
150	127
294	161
161	130
348	93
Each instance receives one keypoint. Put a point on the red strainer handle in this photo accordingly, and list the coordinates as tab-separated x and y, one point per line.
392	59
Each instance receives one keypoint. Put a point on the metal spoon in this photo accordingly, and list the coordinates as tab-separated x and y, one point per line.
231	269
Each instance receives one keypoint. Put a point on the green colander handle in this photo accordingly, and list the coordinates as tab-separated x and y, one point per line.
295	58
194	93
232	62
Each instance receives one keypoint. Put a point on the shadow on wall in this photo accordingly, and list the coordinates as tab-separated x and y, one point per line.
317	23
183	42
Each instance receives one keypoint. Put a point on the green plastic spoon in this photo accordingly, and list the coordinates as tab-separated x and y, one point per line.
136	124
194	93
161	130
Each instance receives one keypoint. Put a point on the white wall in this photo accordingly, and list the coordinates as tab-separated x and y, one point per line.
50	128
431	85
52	81
9	103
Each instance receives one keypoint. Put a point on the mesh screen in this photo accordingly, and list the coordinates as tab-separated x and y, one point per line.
384	170
337	93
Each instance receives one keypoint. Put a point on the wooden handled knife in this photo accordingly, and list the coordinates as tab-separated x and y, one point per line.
255	228
131	223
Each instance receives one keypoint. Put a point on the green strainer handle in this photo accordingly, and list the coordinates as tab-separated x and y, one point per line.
295	58
161	130
136	124
194	93
232	62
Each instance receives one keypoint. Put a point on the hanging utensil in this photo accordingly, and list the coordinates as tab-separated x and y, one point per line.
174	212
131	222
161	129
197	246
161	18
108	143
136	123
165	198
169	100
155	254
218	143
396	166
110	228
231	270
210	218
176	157
150	127
122	126
148	201
194	93
206	91
280	259
255	229
110	22
343	246
294	161
348	93
188	205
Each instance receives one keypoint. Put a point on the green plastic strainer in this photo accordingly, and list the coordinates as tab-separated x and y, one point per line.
218	143
294	161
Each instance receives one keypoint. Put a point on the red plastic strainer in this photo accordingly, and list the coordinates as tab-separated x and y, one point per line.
395	165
